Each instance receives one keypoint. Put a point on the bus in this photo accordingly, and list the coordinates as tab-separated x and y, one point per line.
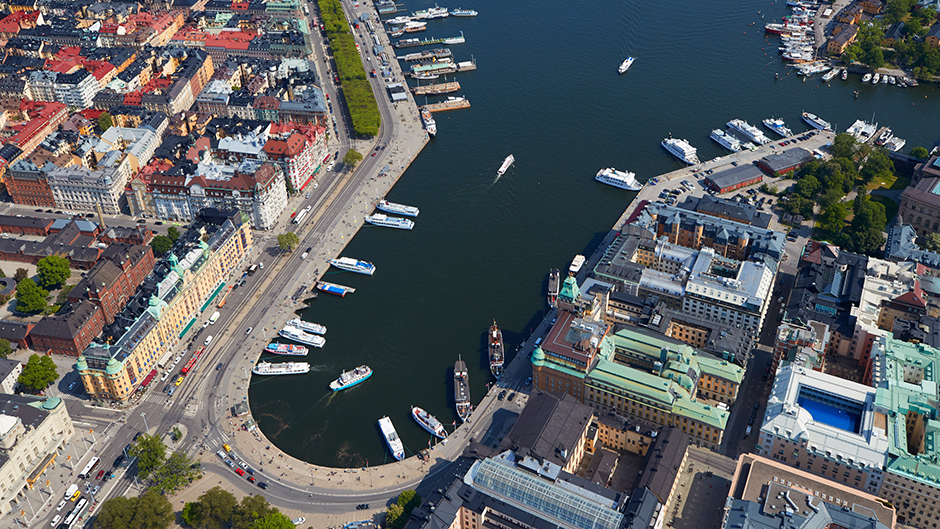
224	296
89	468
75	513
300	215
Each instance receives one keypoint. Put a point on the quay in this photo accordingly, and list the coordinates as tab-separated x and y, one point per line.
435	89
450	104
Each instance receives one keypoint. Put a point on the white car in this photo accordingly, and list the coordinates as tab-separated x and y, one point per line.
55	520
298	521
61	504
165	376
177	360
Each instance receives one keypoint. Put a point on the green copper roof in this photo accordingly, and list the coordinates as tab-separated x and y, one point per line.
51	403
81	364
114	367
569	290
721	369
538	355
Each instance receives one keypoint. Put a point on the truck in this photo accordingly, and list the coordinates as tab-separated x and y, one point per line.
214	317
70	491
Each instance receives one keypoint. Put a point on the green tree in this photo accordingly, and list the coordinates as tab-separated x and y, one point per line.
833	220
175	473
150	453
116	513
51	309
161	244
38	374
217	507
2	273
173	233
21	274
352	158
917	152
105	122
930	242
53	271
876	167
807	186
843	146
288	241
192	514
5	348
399	513
149	511
274	520
393	517
64	294
251	509
29	297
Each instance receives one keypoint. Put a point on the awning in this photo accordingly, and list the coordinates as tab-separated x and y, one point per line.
214	294
188	327
147	380
326	159
43	465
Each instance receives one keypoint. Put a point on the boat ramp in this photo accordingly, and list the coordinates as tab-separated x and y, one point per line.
436	89
452	103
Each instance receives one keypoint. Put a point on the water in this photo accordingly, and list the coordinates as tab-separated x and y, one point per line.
547	91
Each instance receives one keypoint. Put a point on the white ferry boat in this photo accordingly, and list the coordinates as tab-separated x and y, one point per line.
281	368
428	422
315	328
438	12
625	65
391	438
353	265
816	122
726	140
293	333
622	179
380	219
411	27
505	167
429	124
460	12
455	40
681	150
285	349
750	131
398	21
348	379
777	125
398	209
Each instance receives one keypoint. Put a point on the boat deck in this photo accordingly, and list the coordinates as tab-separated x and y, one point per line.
439	88
447	105
876	135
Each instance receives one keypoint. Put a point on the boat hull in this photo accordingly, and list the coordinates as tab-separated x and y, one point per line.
337	387
440	433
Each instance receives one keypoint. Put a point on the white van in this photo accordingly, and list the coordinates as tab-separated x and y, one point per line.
538	342
208	341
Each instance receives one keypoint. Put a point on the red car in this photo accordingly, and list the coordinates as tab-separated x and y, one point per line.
251	479
100	473
240	472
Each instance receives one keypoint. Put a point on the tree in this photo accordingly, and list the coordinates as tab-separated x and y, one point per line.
274	520
39	373
917	152
2	273
930	242
5	348
105	122
288	241
393	517
807	186
192	514
29	297
64	294
149	511
217	507
150	453
174	474
399	513
843	146
21	274
173	233
161	244
53	271
252	509
877	167
833	220
352	158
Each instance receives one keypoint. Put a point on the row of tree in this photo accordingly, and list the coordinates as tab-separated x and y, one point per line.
357	91
164	474
218	508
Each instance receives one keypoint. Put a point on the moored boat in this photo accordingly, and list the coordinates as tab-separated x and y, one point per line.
428	422
353	265
554	283
681	150
895	144
281	368
285	349
298	335
348	379
726	140
429	124
622	179
398	209
816	122
391	438
380	219
460	12
845	74
750	131
866	78
497	350
462	389
315	328
777	125
333	288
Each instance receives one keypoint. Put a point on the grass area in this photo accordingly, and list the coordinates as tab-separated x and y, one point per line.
891	207
893	183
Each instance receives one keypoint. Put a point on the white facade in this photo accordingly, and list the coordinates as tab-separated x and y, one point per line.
81	189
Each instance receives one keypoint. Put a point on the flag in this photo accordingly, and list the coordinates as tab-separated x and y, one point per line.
453	423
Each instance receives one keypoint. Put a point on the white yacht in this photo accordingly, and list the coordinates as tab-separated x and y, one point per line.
293	333
398	209
380	219
622	179
816	122
726	140
353	265
281	368
750	131
895	144
391	438
681	150
315	328
777	125
505	166
429	124
866	78
625	65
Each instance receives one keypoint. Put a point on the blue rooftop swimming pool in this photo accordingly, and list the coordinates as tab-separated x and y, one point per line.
831	415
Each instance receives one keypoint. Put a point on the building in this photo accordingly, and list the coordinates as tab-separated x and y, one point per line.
551	428
9	373
33	431
902	246
623	434
800	344
842	39
27	184
82	189
766	494
163	309
113	280
933	36
920	204
725	180
69	331
785	161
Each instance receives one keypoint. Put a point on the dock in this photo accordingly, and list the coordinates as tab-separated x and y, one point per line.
450	104
876	135
436	89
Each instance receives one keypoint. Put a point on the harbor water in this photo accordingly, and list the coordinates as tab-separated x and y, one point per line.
547	91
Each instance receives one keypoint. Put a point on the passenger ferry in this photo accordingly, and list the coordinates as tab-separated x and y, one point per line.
293	333
385	221
428	422
348	379
285	349
726	140
681	150
391	438
281	368
622	179
398	209
315	328
353	265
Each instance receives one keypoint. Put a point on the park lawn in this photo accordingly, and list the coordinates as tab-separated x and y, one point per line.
891	207
892	183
